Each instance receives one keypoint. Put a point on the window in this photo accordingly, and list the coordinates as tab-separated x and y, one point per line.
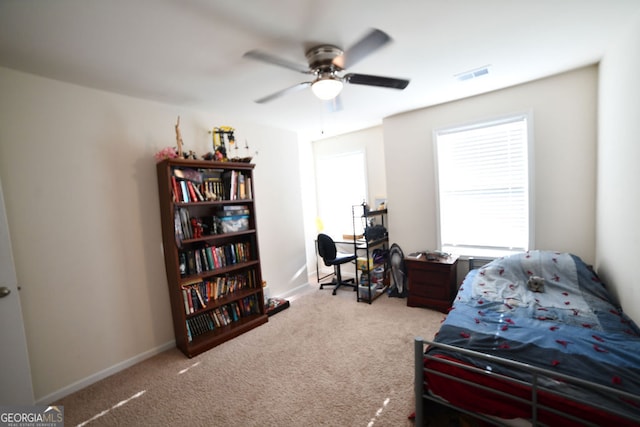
483	187
340	183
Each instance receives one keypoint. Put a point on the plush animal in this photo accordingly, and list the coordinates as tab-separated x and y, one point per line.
535	284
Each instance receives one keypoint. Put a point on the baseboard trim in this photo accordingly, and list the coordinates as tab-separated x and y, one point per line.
85	382
292	293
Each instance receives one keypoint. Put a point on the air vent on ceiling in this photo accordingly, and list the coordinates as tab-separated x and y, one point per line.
472	74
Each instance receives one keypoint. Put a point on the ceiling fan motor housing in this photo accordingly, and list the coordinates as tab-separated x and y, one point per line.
321	58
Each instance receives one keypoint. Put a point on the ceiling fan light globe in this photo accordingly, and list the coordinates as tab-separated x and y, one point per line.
327	88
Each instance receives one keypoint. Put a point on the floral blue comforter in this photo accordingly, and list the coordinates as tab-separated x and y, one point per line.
572	326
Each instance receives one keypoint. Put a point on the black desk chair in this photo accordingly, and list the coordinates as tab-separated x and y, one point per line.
329	254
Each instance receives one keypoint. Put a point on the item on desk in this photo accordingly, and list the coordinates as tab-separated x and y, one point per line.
375	232
436	255
429	255
381	204
352	236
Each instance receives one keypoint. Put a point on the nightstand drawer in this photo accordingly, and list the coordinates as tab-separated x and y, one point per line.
430	290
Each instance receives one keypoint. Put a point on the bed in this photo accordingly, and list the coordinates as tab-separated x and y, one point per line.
533	337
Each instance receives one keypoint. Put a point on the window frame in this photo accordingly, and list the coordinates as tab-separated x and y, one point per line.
488	251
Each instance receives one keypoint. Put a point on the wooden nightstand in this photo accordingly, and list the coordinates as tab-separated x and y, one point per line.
432	284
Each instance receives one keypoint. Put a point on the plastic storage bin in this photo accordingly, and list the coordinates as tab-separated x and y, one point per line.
363	290
234	224
361	263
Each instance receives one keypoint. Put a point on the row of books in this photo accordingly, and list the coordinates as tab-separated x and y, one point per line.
198	185
210	258
239	185
197	295
221	316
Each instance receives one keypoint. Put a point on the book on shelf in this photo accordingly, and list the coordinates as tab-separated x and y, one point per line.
177	196
198	261
192	193
187	306
215	318
221	320
198	193
177	225
210	258
194	300
241	187
201	300
233	210
184	191
185	223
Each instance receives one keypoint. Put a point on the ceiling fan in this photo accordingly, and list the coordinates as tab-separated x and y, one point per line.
327	62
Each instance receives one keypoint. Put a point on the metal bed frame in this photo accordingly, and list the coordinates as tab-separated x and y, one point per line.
530	371
535	373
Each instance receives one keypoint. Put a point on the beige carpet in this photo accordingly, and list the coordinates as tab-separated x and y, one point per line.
326	360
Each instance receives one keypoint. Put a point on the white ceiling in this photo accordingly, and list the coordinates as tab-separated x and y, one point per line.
189	52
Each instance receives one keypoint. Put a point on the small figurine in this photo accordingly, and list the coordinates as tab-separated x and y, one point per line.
196	227
220	154
179	138
219	144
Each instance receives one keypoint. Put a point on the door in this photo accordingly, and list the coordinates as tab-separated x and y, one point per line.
15	372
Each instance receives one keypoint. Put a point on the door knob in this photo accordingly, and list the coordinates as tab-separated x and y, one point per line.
4	291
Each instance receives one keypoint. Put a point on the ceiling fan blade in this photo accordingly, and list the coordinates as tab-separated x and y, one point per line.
368	80
271	59
371	42
284	92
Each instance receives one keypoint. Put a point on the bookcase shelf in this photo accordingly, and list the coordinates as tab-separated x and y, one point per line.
216	337
210	246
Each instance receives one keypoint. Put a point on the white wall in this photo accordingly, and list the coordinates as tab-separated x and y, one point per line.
564	120
618	229
80	187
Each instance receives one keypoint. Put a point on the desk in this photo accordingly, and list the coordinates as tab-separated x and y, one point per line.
432	283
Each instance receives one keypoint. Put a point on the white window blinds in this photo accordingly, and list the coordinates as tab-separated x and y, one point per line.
483	187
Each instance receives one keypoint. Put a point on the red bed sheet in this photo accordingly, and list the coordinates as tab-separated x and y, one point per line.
482	401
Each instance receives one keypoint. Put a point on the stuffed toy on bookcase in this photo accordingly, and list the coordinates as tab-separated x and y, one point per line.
398	272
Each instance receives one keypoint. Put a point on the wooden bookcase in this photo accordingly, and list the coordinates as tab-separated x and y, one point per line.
211	251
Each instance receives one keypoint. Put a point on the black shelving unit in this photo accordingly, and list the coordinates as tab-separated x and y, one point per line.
372	275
